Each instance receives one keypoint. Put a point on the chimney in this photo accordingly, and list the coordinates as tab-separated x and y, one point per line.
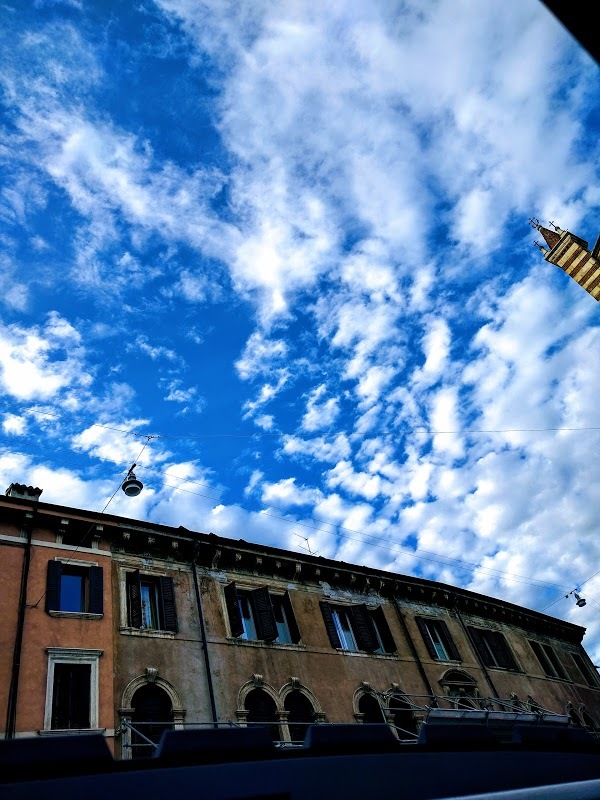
22	492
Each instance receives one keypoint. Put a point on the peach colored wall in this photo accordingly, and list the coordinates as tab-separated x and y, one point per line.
11	558
42	631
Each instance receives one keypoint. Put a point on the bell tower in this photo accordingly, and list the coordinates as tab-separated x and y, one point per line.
572	255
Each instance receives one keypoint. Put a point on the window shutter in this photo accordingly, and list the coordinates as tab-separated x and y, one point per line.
389	645
363	628
589	674
134	599
291	619
504	657
96	591
233	610
555	661
422	625
53	586
448	641
330	625
167	592
480	647
266	627
541	657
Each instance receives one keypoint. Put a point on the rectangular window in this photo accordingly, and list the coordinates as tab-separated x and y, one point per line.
150	602
74	588
343	627
258	615
437	639
71	689
71	696
492	648
589	673
549	661
357	627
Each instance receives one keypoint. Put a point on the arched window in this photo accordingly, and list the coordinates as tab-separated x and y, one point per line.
404	720
262	709
370	707
460	688
152	715
301	714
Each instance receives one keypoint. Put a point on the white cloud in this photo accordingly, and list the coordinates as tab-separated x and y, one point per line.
114	445
320	414
319	448
155	352
260	355
13	424
286	493
42	361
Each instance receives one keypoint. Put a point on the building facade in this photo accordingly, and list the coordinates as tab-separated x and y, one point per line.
131	627
572	255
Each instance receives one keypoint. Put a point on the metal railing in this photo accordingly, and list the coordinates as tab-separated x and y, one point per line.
485	710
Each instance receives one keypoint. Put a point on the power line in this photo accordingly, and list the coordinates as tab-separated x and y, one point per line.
299	435
89	530
422	555
578	588
431	555
418	554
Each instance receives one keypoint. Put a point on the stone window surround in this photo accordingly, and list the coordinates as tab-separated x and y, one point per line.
72	655
124	627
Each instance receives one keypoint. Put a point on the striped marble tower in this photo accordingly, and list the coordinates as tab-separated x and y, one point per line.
572	255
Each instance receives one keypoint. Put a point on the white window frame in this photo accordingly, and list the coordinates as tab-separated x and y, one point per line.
72	655
342	635
438	646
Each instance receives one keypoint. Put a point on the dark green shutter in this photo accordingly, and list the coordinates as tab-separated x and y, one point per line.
589	674
96	591
503	655
448	641
264	618
134	599
378	616
233	610
541	657
555	661
422	625
53	586
362	624
291	619
330	625
167	592
480	648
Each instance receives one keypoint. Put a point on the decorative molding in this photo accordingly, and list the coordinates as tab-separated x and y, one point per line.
151	674
72	655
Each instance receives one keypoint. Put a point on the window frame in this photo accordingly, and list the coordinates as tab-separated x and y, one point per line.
259	600
588	672
368	628
491	654
166	606
72	655
93	589
549	660
425	625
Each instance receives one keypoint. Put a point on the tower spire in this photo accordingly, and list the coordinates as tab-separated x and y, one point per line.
550	237
572	255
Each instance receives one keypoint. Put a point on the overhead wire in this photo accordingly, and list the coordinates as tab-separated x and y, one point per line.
300	435
431	555
90	529
577	588
392	548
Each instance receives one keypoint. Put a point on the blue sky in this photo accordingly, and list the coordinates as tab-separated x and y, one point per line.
291	244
